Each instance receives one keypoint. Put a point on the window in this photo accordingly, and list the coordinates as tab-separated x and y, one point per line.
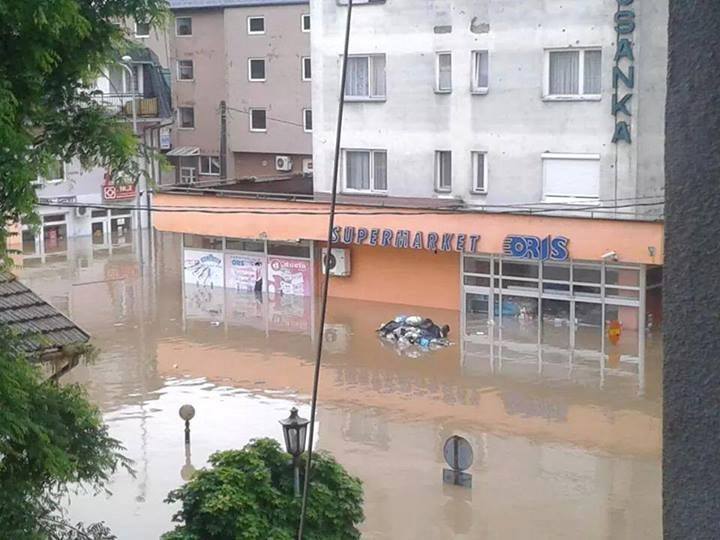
571	177
187	117
188	175
573	74
256	25
185	70
307	120
55	172
258	120
306	69
142	29
365	77
480	72
305	25
183	26
366	170
443	170
443	72
479	172
256	69
210	165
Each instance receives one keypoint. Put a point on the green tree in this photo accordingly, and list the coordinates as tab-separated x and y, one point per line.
50	437
248	495
50	53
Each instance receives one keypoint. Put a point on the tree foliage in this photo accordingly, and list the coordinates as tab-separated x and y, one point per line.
50	52
50	437
248	495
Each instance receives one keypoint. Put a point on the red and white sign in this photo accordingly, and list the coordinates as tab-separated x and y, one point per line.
121	192
289	276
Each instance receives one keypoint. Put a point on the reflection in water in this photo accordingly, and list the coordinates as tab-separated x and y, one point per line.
563	439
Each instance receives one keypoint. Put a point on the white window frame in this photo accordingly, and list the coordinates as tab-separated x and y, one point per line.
568	199
53	181
580	96
203	160
371	77
179	112
478	90
255	32
303	18
250	77
304	120
303	74
137	35
176	27
250	119
191	177
439	90
438	172
372	188
474	157
177	69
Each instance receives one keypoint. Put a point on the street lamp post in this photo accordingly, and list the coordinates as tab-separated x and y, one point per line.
295	433
126	64
187	413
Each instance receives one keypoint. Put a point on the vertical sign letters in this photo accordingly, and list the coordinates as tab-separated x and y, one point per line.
624	71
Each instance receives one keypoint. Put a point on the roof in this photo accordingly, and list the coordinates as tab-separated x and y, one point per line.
198	4
184	151
40	326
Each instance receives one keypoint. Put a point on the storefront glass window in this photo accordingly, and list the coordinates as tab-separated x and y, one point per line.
242	244
98	233
99	213
29	242
55	238
586	274
477	281
624	277
477	266
556	272
120	230
528	270
290	249
203	242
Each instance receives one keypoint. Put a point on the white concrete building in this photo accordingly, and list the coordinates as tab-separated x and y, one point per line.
494	102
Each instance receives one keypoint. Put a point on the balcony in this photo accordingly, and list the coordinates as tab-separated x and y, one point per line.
121	105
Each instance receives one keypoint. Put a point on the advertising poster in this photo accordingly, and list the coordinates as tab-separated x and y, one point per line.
289	276
245	273
203	268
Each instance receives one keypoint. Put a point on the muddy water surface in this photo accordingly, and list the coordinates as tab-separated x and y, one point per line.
560	451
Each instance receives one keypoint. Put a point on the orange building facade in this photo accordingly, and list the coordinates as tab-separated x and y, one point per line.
573	283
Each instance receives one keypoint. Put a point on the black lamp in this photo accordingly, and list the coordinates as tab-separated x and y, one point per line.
295	433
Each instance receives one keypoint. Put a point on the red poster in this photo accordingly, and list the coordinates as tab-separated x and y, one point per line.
289	276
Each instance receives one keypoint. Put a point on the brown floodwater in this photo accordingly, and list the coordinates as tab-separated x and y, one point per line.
562	448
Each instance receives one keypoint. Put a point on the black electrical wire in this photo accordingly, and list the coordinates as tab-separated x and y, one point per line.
411	211
326	282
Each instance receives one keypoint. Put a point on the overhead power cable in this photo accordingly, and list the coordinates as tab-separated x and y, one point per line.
326	282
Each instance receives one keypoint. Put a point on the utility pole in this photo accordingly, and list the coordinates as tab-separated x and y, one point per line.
223	140
691	327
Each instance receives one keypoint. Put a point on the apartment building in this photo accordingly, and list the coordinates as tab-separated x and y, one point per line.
135	90
241	76
502	159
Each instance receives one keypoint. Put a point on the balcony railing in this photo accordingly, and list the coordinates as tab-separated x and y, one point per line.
121	104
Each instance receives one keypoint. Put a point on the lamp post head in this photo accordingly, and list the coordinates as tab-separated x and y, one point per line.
127	59
187	412
295	433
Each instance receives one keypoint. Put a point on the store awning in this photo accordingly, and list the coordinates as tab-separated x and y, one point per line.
184	151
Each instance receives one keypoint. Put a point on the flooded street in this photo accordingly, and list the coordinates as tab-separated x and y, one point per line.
563	449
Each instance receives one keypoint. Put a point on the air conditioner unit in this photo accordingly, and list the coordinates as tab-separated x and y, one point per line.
307	166
82	211
339	262
283	163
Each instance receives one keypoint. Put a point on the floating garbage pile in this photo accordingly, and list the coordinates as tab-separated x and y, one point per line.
413	334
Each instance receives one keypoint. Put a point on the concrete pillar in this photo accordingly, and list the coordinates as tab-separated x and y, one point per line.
691	326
